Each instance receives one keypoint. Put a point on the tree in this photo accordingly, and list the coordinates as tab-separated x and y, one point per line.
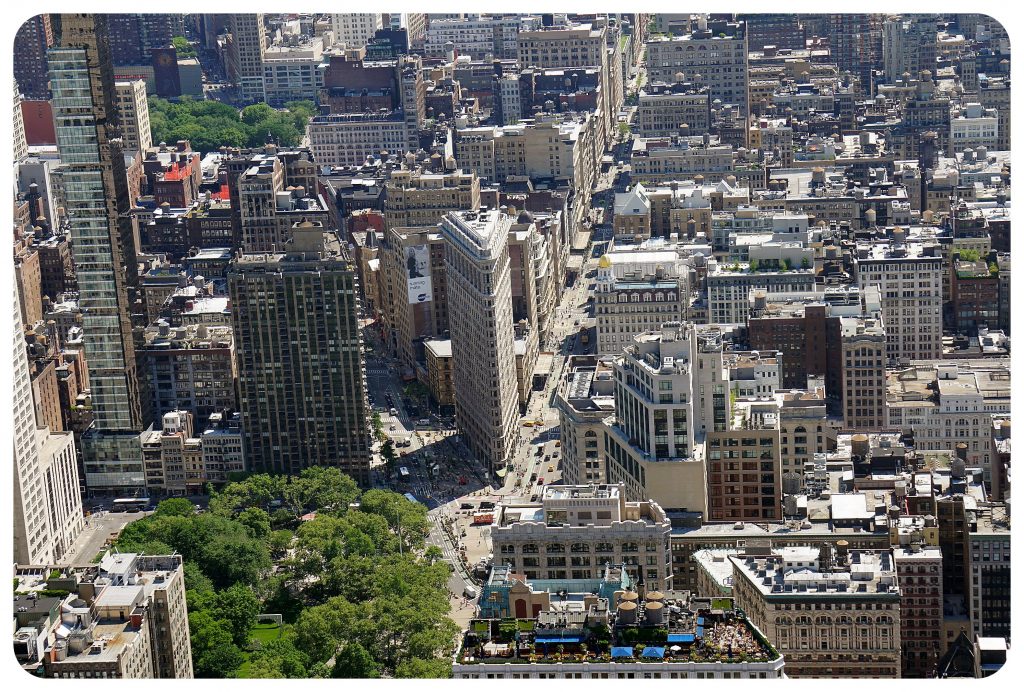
424	668
257	521
175	507
323	489
239	607
256	113
279	542
183	47
235	558
278	659
805	263
214	653
282	517
262	668
319	629
279	598
387	451
353	661
195	580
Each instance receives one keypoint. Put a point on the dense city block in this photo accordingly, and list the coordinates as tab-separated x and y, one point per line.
511	346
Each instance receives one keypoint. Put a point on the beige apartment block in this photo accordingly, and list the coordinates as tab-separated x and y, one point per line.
577	529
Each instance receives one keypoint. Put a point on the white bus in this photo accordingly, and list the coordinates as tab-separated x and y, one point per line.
130	504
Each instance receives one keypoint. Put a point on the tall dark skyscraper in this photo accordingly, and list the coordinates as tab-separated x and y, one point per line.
30	44
133	36
82	81
299	347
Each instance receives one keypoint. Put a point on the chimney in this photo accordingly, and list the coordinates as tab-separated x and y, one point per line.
825	557
842	552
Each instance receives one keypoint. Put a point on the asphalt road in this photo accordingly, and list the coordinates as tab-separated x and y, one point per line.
96	532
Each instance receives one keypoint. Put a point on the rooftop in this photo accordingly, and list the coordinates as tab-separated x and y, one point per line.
661	628
801	571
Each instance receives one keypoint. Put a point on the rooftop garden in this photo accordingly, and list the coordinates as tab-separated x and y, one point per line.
717	636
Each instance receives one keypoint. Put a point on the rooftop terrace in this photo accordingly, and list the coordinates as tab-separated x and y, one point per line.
705	631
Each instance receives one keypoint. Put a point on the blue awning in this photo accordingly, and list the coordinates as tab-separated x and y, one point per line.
654	652
700	621
680	638
700	632
572	639
622	652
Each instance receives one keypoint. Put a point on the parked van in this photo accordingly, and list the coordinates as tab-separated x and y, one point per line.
469	591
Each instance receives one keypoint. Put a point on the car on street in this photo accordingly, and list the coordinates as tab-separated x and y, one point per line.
467	505
551	468
393	412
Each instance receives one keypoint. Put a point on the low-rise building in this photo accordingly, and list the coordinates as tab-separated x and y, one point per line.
190	368
291	70
440	380
575	530
347	139
173	457
222	448
919	572
638	289
744	469
831	616
584	399
629	635
946	404
125	617
663	108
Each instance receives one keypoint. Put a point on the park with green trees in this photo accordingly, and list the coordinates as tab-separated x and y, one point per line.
210	125
359	592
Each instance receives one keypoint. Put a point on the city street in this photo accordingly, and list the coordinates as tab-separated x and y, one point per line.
98	529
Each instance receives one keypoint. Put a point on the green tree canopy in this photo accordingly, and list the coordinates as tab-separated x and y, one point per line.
209	124
214	653
175	507
239	607
183	47
279	659
353	661
257	521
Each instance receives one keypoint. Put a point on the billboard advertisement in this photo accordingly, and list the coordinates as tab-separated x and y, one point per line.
417	263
